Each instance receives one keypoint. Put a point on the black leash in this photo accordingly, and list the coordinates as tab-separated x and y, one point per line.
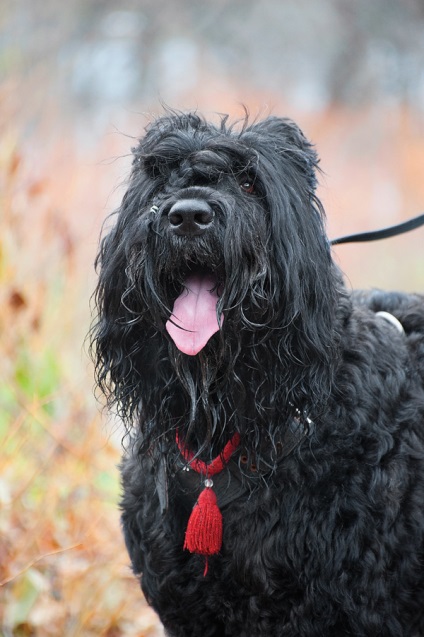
384	233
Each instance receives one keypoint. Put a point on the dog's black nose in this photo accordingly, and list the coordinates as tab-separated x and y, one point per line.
190	217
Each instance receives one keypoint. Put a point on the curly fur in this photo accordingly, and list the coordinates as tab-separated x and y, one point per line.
330	541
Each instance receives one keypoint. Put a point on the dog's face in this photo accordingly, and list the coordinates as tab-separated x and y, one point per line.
218	255
206	203
208	223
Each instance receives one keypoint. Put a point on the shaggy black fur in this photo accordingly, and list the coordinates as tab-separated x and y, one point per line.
329	539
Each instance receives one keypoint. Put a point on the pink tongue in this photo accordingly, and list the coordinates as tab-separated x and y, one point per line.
194	314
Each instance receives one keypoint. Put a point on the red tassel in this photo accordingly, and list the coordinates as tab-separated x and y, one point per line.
204	528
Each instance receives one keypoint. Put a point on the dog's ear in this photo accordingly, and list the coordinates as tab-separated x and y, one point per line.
282	136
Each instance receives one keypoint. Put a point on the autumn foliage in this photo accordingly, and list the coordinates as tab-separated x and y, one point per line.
63	566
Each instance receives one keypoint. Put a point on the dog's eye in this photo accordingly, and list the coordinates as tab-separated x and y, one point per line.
247	185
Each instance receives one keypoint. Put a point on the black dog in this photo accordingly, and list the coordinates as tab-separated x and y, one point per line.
274	473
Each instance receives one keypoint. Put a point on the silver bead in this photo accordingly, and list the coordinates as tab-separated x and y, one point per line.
208	483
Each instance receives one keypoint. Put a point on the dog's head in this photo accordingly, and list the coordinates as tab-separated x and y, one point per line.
217	274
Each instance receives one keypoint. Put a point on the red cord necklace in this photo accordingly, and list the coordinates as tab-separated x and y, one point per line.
204	528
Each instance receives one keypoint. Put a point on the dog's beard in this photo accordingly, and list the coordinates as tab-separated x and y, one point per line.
231	275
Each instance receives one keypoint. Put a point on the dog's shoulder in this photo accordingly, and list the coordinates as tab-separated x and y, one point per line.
398	317
408	309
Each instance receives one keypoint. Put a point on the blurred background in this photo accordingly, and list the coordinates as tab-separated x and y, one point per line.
79	80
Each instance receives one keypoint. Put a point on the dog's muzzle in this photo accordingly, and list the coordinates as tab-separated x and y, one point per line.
190	217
